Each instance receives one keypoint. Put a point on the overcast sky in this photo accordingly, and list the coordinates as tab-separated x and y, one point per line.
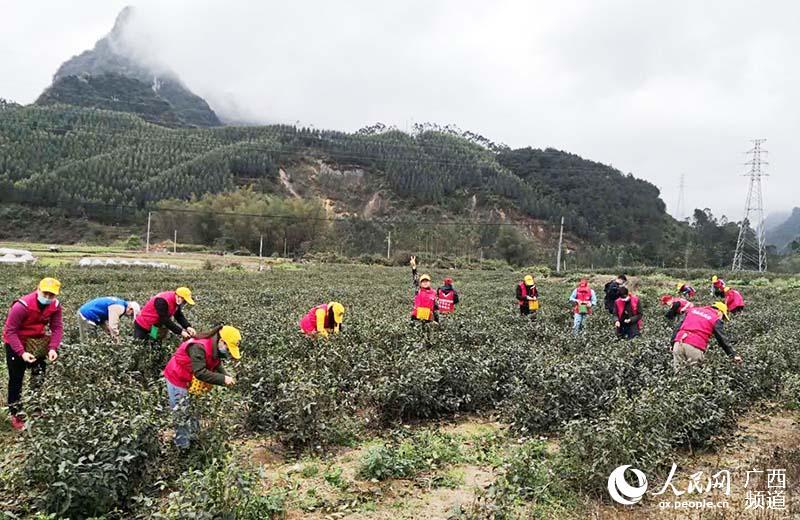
655	88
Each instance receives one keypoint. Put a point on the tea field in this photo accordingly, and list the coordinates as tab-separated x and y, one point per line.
489	415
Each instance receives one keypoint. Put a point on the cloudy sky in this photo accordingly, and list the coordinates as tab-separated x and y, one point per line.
654	88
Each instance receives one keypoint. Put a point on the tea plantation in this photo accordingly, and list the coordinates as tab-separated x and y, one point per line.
98	441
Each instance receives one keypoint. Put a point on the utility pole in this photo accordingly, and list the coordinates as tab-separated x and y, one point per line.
560	242
679	209
147	246
260	252
389	246
752	250
175	242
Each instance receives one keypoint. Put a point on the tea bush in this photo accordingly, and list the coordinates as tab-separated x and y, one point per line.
99	424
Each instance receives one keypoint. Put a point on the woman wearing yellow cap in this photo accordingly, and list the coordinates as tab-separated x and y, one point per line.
193	369
528	297
27	342
323	319
426	306
157	314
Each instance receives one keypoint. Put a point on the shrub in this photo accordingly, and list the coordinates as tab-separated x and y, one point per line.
103	456
407	455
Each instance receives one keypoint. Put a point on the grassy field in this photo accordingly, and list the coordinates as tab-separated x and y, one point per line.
489	415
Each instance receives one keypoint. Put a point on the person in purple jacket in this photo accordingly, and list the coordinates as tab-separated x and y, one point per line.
27	343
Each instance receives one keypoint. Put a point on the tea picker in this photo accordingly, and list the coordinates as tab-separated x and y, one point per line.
677	306
322	320
528	297
628	313
194	369
104	312
690	342
447	297
158	313
583	299
28	344
734	300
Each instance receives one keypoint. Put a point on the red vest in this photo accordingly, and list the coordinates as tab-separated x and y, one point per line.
698	327
179	369
309	322
685	305
35	320
584	295
525	292
734	300
620	303
425	299
446	301
149	316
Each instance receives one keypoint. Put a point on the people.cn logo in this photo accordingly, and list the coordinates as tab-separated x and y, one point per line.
621	491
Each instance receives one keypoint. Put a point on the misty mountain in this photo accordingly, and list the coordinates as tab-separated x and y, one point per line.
782	234
775	219
113	76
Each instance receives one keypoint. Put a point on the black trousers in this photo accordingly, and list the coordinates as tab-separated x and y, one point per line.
16	374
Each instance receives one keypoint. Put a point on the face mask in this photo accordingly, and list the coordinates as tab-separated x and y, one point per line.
44	301
223	352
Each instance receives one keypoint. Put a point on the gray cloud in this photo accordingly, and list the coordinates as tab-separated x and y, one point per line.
654	88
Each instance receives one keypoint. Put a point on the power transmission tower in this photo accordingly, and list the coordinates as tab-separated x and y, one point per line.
751	249
679	205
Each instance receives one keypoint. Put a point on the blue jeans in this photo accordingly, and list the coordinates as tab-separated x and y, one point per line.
579	323
186	426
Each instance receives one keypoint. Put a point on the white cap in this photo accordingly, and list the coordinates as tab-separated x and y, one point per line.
135	307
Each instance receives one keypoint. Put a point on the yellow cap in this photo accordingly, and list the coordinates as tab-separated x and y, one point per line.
680	286
722	308
231	336
726	289
528	280
338	311
50	285
425	277
714	278
186	294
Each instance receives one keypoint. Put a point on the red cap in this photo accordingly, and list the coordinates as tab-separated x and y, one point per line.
448	281
665	299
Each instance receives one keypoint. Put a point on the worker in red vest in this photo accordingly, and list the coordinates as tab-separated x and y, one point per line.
28	343
193	370
528	297
583	299
686	290
691	340
628	312
447	297
734	300
158	313
425	308
717	286
323	320
677	306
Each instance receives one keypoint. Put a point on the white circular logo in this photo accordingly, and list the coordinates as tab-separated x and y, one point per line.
622	492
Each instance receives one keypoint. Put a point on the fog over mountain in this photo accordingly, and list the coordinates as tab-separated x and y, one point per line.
655	89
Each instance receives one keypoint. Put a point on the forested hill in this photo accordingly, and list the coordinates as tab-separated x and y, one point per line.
97	156
114	76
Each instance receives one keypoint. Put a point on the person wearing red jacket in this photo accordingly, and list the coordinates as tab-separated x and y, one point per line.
690	341
628	313
677	306
717	286
527	295
426	308
27	342
193	370
734	300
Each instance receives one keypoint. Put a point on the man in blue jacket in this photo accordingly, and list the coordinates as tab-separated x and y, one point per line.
104	312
